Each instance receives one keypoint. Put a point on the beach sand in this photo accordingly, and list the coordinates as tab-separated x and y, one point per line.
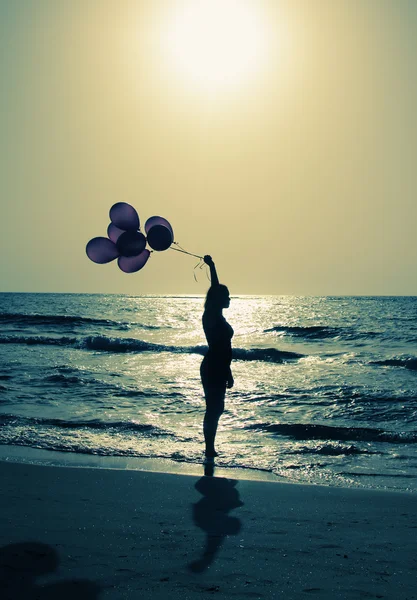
88	533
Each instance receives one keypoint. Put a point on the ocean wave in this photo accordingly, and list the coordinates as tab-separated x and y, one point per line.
59	320
93	424
98	342
265	354
302	431
119	345
382	475
332	450
134	345
74	447
129	393
345	394
321	332
107	388
36	340
409	362
64	379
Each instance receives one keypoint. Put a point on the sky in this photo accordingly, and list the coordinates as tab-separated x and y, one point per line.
280	137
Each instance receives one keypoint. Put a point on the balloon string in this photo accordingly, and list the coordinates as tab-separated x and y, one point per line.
200	263
185	252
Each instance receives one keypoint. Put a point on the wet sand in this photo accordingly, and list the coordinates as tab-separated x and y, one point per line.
90	533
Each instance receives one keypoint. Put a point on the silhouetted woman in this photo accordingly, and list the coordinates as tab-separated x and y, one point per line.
215	371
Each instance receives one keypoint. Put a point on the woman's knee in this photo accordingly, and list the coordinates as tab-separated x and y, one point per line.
214	411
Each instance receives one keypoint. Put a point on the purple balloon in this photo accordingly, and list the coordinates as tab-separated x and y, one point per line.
114	232
131	243
124	216
132	264
160	237
101	250
152	221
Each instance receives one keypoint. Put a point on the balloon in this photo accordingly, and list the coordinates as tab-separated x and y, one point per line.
114	232
124	216
101	250
160	237
126	243
152	221
132	264
131	243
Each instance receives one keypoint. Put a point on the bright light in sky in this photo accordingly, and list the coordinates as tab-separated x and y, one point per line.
216	44
289	123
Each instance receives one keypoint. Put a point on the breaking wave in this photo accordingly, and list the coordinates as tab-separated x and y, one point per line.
318	332
117	345
59	320
301	431
409	362
110	426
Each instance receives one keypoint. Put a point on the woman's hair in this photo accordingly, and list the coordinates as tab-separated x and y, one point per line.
215	295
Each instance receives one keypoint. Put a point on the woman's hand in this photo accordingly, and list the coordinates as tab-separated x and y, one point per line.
230	382
213	273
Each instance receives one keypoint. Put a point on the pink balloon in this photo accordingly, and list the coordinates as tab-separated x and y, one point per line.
101	250
124	216
152	221
114	232
132	264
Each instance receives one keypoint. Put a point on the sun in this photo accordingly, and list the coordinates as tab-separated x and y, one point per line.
215	44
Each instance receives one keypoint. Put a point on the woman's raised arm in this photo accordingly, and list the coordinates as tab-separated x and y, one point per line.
213	273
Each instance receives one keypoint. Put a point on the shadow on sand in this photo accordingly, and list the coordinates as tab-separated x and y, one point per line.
210	514
20	566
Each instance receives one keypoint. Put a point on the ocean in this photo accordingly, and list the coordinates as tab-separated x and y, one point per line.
325	387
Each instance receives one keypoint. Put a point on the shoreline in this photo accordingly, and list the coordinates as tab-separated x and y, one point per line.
40	457
113	534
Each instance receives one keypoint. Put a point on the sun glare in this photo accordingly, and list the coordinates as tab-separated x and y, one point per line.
215	44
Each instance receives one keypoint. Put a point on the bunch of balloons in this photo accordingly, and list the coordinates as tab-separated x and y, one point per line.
126	242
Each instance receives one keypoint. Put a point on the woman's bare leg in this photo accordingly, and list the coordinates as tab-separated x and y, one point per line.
214	409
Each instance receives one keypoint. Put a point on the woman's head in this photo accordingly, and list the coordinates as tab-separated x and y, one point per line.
217	297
